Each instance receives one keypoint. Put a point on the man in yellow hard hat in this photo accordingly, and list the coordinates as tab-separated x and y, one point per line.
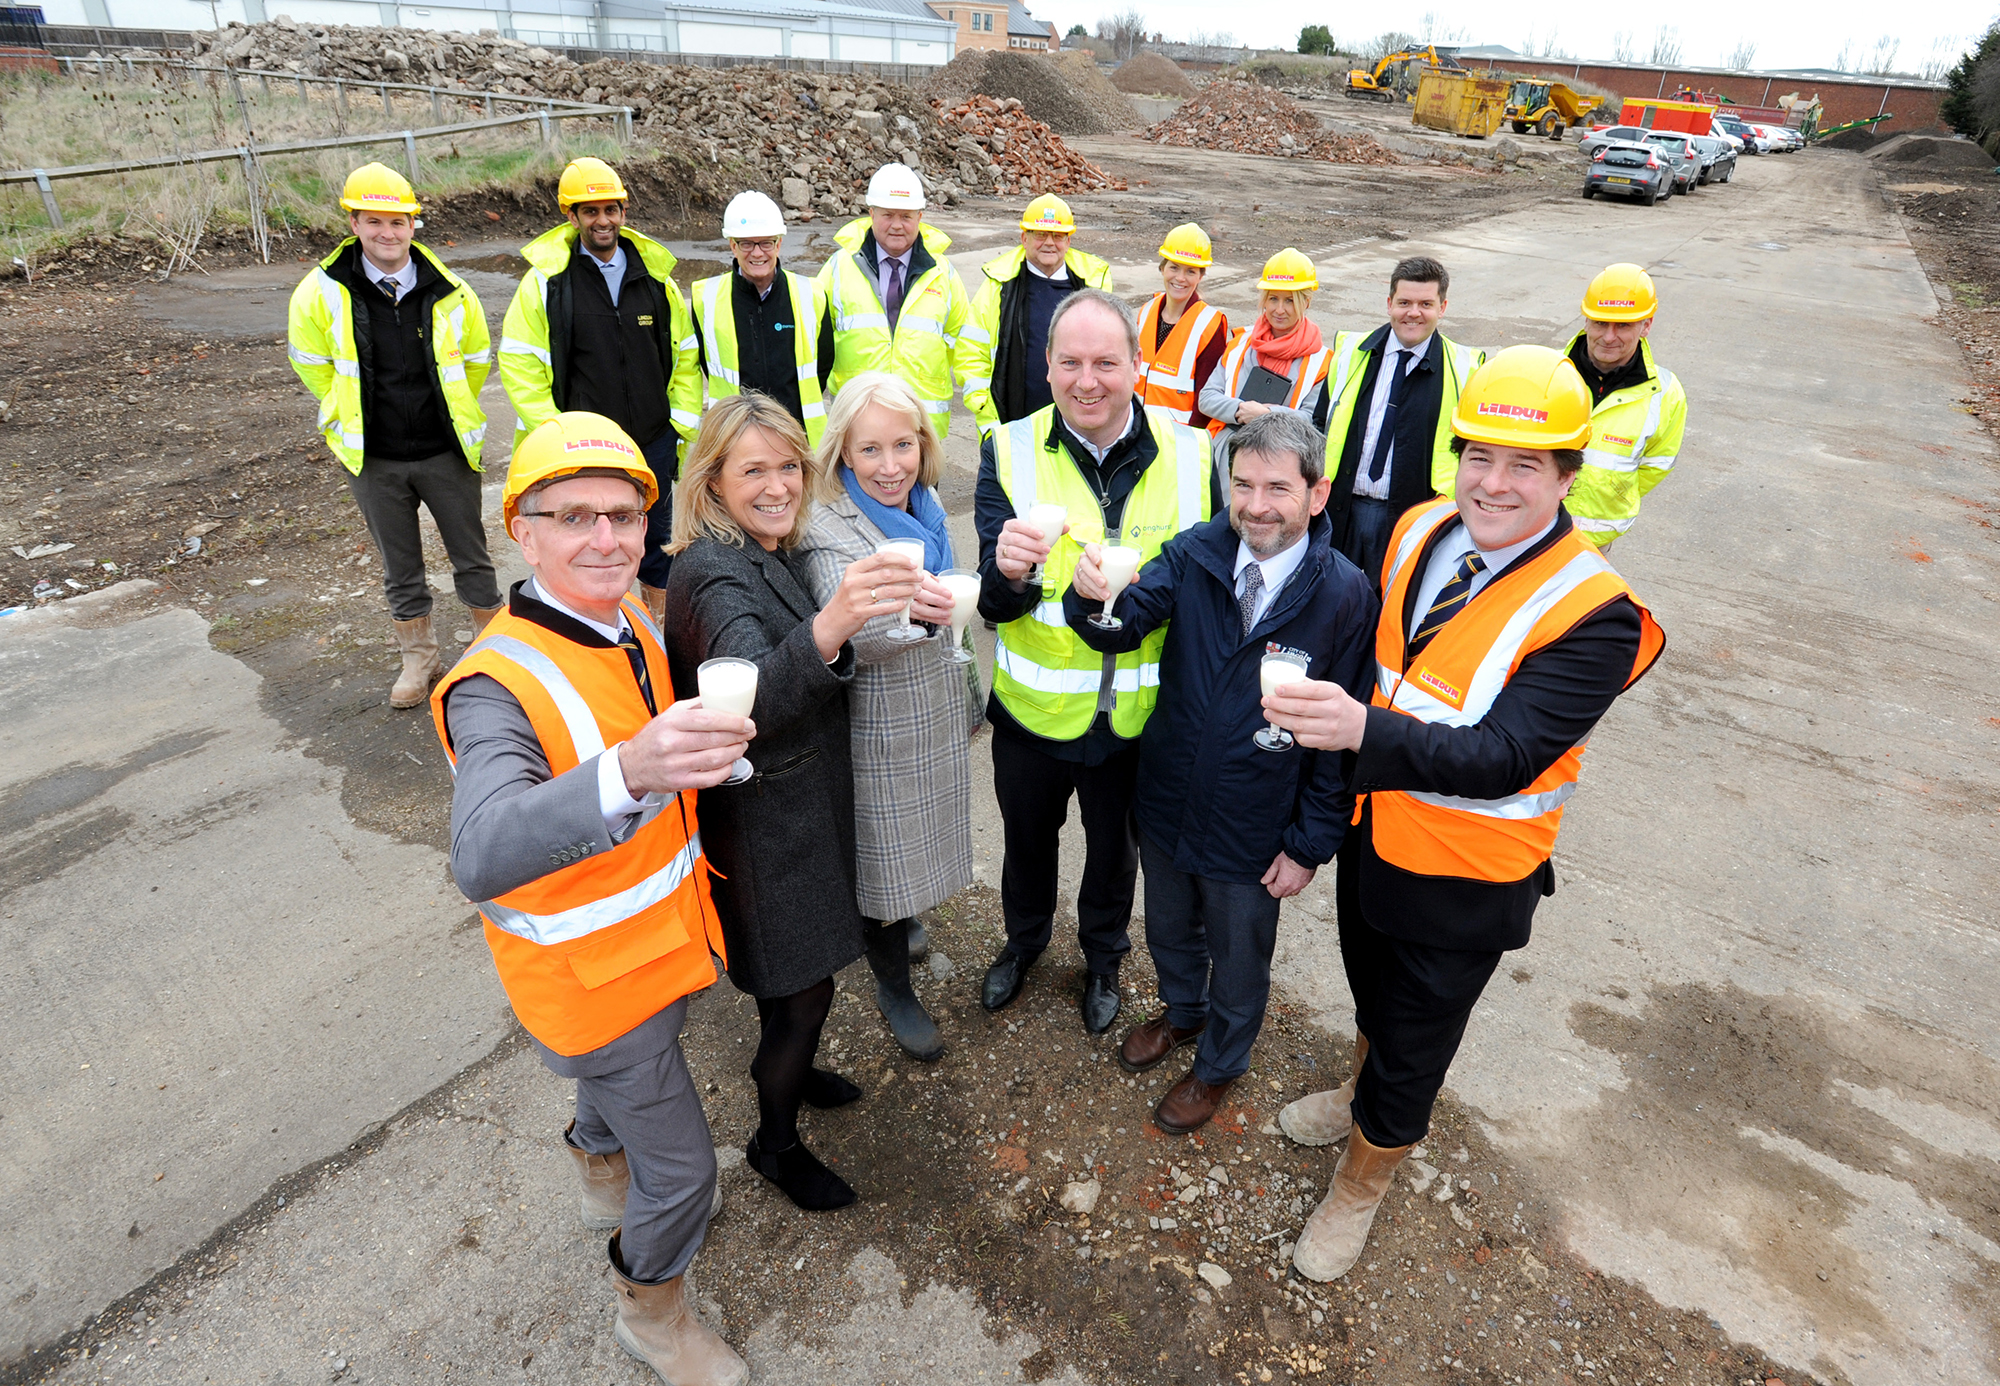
573	825
616	341
1003	350
1181	338
1638	412
1503	638
394	347
898	303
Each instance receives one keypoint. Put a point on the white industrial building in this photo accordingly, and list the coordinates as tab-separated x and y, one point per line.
876	31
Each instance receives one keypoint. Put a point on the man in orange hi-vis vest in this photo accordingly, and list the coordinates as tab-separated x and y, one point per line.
573	825
1504	636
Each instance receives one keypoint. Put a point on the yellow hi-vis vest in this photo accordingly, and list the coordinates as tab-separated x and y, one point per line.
321	328
716	313
1635	435
1344	385
1047	678
920	350
978	341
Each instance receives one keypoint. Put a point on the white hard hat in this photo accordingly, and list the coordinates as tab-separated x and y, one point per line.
896	185
752	214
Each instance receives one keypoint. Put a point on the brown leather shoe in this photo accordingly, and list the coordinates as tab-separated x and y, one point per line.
1189	1104
1145	1045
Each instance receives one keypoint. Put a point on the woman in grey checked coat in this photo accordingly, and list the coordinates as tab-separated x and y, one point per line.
912	714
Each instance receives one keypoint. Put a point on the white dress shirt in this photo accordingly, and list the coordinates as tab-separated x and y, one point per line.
1378	403
1061	276
614	801
405	278
1444	562
614	275
1278	570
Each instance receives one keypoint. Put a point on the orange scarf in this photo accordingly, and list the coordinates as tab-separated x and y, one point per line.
1275	353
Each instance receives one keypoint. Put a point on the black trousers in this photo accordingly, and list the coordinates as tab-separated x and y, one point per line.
1364	536
1034	791
388	493
1412	1001
662	455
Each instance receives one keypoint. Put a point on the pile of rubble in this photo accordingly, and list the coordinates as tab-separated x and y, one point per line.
1054	90
809	139
1028	155
1246	118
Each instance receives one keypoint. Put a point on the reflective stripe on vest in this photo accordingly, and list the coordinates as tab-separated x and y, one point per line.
1169	376
919	351
1236	364
721	357
580	920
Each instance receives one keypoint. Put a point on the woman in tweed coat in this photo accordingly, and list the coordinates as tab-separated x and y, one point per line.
781	843
911	712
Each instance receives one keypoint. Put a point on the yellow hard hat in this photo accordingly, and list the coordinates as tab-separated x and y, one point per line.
1289	271
378	188
1524	397
1187	244
588	180
1621	293
572	442
1048	213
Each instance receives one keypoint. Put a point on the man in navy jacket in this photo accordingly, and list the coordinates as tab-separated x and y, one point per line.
1226	829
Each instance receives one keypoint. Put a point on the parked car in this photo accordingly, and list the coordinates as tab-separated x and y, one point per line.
1629	169
1681	155
1753	143
1793	135
1718	158
1610	134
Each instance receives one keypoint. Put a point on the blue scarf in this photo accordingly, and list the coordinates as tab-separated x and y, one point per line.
924	519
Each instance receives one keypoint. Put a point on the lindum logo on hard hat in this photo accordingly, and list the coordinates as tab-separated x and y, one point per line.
1617	303
1516	411
596	445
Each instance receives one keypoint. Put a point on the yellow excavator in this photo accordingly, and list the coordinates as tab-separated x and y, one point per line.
1380	81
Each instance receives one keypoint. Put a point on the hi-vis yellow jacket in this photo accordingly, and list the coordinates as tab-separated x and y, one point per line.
979	343
1635	435
920	350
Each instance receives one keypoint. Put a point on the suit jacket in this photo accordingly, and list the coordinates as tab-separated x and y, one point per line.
1416	428
1549	705
782	844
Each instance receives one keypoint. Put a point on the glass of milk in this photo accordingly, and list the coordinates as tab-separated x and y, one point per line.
912	549
1279	667
729	685
964	588
1118	564
1048	521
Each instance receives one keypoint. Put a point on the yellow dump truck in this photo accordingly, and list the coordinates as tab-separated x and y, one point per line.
1460	103
1548	108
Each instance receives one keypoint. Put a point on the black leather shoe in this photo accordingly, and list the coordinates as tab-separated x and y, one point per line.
1100	1002
1004	979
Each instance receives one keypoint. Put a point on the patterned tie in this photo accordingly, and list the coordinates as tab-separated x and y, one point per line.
1399	387
1451	599
390	289
628	641
894	302
1253	584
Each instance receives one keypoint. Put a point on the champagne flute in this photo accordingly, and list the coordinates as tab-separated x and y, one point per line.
1118	564
964	589
1047	520
912	549
729	685
1278	668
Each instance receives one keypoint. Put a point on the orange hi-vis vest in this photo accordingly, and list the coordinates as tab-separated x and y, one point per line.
1237	361
1169	380
1458	675
605	942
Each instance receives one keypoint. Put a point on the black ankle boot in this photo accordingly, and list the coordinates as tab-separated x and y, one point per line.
824	1088
909	1022
796	1170
920	939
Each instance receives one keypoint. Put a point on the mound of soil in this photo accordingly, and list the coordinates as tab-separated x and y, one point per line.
1923	149
1090	86
1150	74
1041	88
1859	138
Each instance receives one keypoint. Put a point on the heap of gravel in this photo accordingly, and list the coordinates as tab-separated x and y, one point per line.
1090	86
1861	137
1924	149
1042	89
1151	74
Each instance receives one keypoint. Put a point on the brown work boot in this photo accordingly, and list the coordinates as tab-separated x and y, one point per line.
1335	1233
482	617
1189	1104
420	663
1145	1045
1321	1118
605	1180
655	599
657	1325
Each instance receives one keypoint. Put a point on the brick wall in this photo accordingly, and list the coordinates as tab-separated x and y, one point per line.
1914	105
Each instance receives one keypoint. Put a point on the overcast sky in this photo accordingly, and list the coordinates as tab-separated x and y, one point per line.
1786	33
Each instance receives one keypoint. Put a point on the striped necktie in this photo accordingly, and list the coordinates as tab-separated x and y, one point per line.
628	641
1451	599
1253	585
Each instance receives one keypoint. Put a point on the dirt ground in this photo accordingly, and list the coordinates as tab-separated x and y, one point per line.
156	453
1953	218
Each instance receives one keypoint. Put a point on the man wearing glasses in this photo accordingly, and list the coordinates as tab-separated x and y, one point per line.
570	827
760	326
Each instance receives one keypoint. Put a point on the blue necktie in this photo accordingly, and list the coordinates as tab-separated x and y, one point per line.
1451	599
1399	386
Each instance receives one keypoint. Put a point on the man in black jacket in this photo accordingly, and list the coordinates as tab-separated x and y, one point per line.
1503	638
1227	829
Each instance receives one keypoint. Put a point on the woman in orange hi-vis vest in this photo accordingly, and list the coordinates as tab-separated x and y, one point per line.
573	825
1280	362
1181	338
1504	637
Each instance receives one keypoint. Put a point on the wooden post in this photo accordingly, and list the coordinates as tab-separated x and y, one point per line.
387	109
548	129
303	98
55	213
410	153
437	106
265	78
489	103
340	97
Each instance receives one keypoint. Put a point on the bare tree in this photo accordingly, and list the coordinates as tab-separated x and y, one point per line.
1382	45
1883	59
1545	47
1741	56
1944	57
1124	31
1666	46
1844	60
1621	46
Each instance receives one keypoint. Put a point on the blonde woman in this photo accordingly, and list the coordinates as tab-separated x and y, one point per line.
1279	363
782	842
911	714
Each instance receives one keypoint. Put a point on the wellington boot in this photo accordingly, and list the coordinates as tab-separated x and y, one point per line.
1335	1233
605	1180
920	940
655	599
909	1022
420	663
657	1325
1321	1118
482	617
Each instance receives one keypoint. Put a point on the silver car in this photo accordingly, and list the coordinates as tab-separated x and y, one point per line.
1681	154
1609	135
